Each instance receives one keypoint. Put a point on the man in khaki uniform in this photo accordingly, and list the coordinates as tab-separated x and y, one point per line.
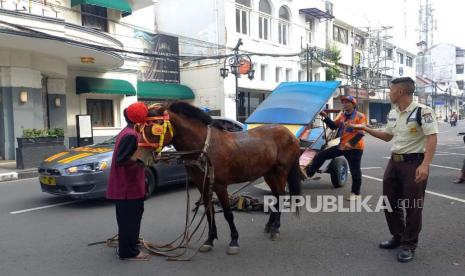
414	129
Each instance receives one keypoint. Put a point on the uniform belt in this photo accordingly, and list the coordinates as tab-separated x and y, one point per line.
407	157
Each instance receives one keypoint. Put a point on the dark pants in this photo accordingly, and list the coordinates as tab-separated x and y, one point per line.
354	158
399	186
129	215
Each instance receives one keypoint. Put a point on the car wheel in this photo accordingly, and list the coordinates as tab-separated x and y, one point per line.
150	182
339	172
464	138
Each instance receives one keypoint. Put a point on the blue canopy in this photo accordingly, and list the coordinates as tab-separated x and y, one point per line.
294	103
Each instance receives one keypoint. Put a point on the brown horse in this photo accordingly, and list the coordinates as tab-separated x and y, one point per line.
270	151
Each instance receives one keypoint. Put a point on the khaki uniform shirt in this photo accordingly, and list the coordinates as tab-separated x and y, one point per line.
409	137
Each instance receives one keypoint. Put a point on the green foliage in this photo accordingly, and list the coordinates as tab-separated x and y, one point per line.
333	55
34	133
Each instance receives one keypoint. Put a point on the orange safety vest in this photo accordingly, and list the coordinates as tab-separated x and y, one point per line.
347	133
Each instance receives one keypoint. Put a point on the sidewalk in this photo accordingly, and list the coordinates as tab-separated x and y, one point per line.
9	172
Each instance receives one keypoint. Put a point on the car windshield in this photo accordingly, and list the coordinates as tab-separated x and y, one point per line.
110	141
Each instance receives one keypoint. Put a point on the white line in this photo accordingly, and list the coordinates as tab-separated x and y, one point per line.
427	191
432	165
370	168
445	167
44	207
451	153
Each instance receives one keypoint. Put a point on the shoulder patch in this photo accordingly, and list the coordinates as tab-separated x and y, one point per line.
427	118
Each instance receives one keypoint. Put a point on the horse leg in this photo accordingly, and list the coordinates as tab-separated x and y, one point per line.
210	213
223	196
277	184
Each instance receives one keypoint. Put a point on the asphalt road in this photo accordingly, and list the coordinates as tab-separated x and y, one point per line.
53	240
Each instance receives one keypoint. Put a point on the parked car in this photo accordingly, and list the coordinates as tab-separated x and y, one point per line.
83	172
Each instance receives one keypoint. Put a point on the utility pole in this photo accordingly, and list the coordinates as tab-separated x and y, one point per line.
433	101
308	52
309	56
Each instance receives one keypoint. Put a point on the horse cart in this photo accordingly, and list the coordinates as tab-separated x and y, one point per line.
296	106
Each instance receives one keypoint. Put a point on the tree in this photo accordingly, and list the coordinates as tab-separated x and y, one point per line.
333	56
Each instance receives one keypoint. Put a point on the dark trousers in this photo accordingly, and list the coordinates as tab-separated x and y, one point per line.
354	158
128	216
404	194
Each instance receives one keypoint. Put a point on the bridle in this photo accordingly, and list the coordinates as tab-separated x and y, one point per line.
156	129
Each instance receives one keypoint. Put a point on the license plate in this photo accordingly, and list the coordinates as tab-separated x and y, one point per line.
48	180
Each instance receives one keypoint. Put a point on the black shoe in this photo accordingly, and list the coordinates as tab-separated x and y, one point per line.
405	255
458	181
389	244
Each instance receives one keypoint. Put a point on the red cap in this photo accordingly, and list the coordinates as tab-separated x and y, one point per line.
137	112
349	99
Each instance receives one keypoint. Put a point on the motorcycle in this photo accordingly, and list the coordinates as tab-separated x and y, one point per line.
453	121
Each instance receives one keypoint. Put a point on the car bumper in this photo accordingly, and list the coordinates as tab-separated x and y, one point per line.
79	186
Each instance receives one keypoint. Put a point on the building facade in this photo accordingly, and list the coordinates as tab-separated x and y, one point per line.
368	62
443	65
59	59
279	27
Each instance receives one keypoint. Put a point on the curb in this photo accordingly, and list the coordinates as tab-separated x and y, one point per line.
24	174
8	176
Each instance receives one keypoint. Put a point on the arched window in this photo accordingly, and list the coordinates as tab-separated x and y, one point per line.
242	16
264	19
283	25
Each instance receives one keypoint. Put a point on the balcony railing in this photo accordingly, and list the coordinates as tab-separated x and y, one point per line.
46	8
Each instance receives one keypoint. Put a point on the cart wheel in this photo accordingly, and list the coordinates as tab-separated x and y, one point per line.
339	171
150	182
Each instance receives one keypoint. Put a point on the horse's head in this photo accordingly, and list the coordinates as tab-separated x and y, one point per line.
157	130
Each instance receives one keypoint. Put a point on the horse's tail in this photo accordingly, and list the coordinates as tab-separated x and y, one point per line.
294	182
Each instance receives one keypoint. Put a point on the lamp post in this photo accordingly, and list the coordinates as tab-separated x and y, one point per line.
238	64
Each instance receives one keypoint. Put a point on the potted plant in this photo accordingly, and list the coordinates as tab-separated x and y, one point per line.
37	144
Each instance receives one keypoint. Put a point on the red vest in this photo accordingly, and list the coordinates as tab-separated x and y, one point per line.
126	181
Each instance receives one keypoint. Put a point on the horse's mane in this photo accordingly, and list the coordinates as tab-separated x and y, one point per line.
190	111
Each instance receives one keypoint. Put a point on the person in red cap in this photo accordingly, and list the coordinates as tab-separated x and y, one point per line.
126	185
351	143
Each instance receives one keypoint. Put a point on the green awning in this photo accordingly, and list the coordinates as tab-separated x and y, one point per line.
120	5
165	91
105	86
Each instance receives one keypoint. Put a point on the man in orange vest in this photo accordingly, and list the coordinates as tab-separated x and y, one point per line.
351	145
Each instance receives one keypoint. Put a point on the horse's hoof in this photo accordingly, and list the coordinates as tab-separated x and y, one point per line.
274	236
233	250
205	248
267	229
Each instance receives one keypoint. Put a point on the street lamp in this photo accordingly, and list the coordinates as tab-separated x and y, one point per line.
239	64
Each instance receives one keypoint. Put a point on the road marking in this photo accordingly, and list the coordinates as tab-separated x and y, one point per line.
263	186
445	167
44	207
370	168
433	165
451	153
448	153
427	191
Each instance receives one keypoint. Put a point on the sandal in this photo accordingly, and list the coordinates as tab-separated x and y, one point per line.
140	257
